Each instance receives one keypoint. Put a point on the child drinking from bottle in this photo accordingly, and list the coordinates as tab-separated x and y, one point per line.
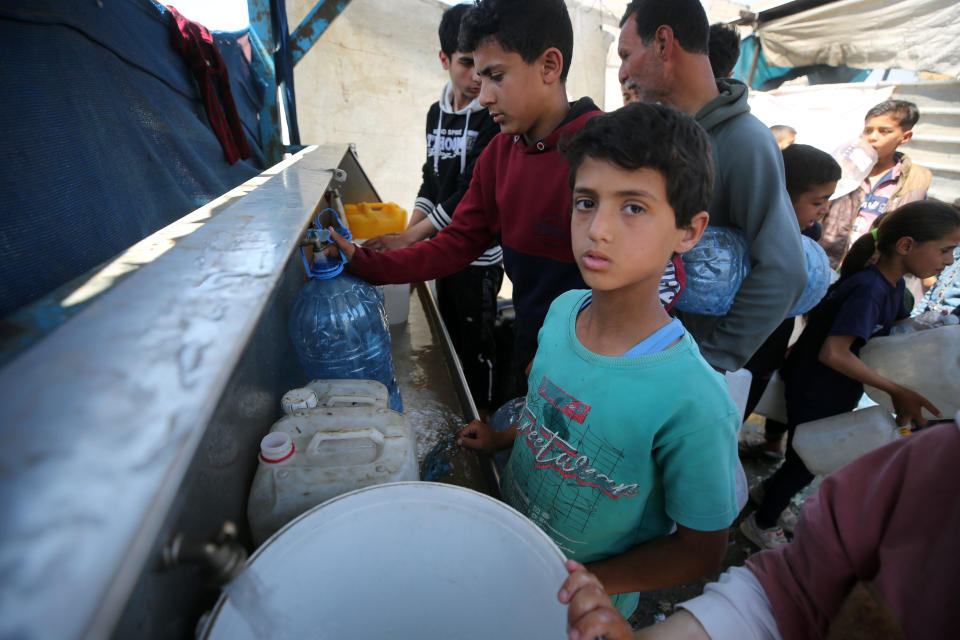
823	374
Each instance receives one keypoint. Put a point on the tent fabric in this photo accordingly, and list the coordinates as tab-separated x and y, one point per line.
767	77
105	136
825	116
917	35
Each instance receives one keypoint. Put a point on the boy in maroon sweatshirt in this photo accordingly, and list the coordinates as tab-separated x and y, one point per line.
518	194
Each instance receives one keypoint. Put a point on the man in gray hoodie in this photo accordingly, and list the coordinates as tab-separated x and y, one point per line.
663	52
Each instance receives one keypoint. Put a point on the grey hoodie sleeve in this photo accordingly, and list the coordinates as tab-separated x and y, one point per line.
751	195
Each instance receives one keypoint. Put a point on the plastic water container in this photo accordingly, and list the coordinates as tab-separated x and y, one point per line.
856	158
718	264
313	455
371	219
826	445
738	384
927	362
339	328
507	415
336	393
773	403
405	560
715	269
818	276
396	299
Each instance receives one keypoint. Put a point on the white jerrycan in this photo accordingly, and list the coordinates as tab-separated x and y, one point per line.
773	403
347	440
336	393
827	444
927	362
738	386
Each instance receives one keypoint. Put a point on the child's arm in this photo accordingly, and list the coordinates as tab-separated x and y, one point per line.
420	228
682	556
591	614
836	354
481	437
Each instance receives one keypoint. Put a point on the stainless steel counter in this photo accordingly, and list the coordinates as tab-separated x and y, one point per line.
435	394
139	416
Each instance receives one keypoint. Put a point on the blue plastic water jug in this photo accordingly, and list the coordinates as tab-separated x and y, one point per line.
715	270
818	277
339	327
718	264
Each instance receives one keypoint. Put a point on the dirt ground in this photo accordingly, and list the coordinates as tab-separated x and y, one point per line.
655	605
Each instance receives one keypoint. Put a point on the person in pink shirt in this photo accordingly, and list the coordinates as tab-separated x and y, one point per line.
875	555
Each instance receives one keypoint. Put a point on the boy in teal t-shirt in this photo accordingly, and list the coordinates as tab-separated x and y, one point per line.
626	451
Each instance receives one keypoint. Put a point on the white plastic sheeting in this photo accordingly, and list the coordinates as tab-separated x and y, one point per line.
824	116
919	35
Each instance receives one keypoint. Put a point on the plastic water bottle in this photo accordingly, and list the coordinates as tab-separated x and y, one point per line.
339	327
717	266
502	419
856	158
715	270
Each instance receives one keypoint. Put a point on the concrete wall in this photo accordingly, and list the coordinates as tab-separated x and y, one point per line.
374	73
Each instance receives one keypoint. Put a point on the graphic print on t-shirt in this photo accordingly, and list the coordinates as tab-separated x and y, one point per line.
449	143
574	468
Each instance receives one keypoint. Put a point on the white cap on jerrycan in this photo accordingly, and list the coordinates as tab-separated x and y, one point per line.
826	445
298	400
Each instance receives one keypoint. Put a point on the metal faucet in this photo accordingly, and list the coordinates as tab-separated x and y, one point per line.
221	559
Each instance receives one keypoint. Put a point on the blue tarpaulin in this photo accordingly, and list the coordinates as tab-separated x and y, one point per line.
767	77
105	139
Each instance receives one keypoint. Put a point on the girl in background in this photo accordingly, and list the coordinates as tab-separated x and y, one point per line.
823	374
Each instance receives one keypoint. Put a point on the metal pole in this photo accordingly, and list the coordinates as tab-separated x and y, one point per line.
284	66
753	62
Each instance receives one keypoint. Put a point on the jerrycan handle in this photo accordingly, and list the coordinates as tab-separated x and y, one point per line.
321	237
350	401
366	433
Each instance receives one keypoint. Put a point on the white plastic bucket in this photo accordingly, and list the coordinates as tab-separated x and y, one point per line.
405	560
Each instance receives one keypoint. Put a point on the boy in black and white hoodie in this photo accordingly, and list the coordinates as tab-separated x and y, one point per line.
458	129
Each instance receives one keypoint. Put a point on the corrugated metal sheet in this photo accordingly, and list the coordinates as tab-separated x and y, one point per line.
936	138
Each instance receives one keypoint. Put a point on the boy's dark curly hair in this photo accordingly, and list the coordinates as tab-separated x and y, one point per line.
904	111
651	136
526	27
723	49
806	167
450	27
